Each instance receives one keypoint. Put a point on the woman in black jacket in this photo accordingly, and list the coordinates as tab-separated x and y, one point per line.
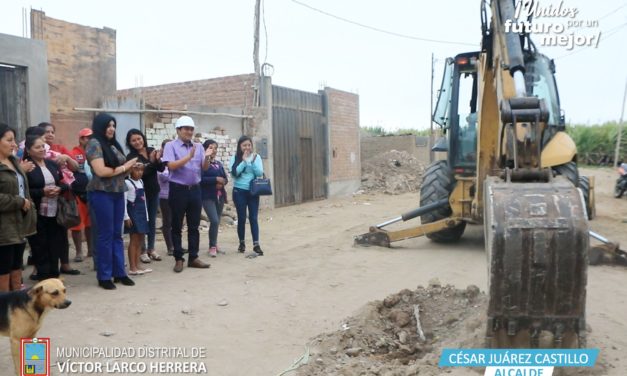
45	187
151	158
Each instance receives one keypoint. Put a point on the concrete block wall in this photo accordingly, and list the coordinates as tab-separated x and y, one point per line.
81	71
344	146
416	146
29	55
157	132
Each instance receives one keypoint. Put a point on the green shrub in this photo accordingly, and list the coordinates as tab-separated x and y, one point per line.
594	141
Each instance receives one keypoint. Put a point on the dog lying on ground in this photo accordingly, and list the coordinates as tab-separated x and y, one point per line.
22	312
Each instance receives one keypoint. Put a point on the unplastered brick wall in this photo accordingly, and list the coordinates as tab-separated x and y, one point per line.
343	110
227	146
81	71
221	92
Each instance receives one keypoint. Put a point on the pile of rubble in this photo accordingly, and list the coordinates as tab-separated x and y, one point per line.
392	172
403	334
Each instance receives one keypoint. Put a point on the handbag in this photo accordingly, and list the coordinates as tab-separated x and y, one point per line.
67	210
260	186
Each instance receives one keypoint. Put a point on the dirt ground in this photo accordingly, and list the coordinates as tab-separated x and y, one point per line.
257	316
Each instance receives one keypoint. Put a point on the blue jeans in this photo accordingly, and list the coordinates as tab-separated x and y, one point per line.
108	218
94	231
152	203
213	209
243	200
185	202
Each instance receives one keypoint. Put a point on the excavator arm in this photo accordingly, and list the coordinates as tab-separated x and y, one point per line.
535	225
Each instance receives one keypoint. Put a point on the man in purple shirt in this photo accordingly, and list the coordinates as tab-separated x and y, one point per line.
185	159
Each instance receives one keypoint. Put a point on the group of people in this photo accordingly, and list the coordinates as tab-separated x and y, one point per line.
117	193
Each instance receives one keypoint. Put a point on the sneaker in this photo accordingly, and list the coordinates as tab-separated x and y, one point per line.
170	252
241	248
126	281
257	250
213	251
145	258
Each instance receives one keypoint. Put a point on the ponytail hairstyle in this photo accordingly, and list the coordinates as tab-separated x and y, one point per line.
28	143
208	142
131	133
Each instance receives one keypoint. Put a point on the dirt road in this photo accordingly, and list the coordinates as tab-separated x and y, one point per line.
254	316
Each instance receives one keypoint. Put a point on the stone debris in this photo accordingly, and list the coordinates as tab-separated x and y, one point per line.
393	172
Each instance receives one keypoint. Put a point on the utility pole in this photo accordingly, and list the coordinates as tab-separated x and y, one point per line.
256	43
431	136
620	128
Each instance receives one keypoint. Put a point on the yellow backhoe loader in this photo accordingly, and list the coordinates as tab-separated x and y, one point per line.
511	167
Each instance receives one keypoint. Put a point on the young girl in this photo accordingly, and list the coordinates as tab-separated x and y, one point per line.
136	220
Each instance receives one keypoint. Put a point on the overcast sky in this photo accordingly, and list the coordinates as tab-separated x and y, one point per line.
162	41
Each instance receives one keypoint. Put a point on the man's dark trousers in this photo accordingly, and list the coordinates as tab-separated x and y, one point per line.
185	201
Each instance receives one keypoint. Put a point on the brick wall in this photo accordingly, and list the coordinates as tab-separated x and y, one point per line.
81	70
222	92
343	110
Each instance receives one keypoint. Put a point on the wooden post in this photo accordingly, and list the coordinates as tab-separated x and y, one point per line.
620	129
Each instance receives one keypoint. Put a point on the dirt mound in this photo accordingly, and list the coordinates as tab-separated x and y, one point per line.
392	172
384	339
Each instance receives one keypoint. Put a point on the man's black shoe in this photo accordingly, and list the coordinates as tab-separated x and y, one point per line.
126	281
107	285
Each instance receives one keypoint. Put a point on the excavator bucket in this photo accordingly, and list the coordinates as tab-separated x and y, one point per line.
537	244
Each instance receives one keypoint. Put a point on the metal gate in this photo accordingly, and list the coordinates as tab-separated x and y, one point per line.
13	98
299	146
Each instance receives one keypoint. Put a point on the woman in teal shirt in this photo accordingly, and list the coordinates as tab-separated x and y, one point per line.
245	166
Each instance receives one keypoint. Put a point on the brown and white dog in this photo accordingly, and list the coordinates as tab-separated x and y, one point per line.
22	312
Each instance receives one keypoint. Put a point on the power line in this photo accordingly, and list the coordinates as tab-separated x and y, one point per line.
612	12
382	30
606	34
603	36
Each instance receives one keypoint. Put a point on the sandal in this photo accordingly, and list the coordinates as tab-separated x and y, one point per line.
78	258
145	258
136	272
144	271
154	256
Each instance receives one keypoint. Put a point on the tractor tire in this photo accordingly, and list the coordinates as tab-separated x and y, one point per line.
569	171
584	185
437	184
618	191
